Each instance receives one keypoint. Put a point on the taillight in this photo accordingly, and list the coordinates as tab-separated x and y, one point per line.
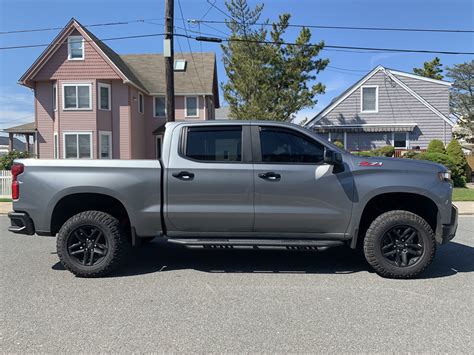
17	169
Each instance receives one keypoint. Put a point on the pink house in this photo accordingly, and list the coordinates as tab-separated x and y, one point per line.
91	102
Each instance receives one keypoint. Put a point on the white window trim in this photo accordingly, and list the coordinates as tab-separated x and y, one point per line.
55	98
77	98
376	98
345	139
77	133
186	106
154	106
99	96
140	98
105	133
407	140
56	146
69	47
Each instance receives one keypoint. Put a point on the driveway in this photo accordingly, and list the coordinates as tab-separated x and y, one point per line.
168	299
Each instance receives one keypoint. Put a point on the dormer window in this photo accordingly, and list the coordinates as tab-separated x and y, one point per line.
75	48
179	65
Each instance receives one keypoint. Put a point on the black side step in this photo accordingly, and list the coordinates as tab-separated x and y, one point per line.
293	244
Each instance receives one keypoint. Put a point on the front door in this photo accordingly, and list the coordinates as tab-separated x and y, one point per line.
210	182
295	192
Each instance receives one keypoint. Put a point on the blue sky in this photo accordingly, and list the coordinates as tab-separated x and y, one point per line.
16	102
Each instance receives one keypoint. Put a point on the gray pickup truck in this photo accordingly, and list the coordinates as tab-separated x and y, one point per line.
228	184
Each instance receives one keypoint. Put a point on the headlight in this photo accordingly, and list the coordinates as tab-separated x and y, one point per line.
445	176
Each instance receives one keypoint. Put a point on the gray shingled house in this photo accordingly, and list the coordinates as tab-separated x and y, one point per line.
387	107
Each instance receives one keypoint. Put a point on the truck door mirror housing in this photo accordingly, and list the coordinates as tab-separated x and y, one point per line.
331	157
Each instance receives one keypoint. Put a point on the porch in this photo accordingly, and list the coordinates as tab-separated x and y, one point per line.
28	131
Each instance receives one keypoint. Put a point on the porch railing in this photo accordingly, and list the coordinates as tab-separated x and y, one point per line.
5	184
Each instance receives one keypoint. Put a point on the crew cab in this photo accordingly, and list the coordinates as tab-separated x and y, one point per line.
253	184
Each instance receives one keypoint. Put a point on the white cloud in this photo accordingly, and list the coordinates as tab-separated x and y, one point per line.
15	108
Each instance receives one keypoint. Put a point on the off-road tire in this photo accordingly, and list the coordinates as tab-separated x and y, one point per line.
110	228
373	239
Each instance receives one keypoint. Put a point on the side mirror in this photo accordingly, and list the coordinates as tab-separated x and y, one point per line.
332	158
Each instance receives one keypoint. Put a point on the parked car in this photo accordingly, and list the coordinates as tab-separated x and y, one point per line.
238	184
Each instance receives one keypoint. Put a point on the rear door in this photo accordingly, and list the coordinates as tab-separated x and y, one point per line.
210	181
295	192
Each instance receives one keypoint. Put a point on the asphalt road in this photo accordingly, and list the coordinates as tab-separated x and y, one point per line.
171	299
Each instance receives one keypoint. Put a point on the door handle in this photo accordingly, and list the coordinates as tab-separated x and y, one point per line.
270	176
184	175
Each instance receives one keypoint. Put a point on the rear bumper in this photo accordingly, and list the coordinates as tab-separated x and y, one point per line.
21	223
449	230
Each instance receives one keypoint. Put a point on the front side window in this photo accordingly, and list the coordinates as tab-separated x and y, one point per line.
160	106
283	146
141	103
77	96
105	143
369	100
400	139
216	144
75	46
104	96
337	137
78	145
191	106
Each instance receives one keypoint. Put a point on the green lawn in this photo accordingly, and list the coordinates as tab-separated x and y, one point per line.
5	200
463	194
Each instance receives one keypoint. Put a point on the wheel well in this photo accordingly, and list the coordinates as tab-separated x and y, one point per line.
418	204
73	204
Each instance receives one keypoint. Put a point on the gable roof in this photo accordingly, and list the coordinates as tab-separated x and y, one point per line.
197	78
144	71
23	128
390	73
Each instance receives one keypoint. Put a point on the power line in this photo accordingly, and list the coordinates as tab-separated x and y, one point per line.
189	45
90	25
217	39
353	27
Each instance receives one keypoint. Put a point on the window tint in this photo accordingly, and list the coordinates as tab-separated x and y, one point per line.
281	146
221	144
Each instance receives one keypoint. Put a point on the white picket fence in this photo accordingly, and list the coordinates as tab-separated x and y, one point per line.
5	184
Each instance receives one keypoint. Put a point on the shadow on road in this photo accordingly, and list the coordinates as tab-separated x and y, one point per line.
159	257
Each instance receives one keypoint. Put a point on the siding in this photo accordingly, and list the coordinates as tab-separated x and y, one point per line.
395	106
93	66
44	118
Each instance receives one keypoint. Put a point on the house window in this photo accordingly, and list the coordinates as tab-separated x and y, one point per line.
77	97
180	65
141	103
191	106
56	151
105	144
400	139
160	106
369	99
338	137
55	96
75	48
78	145
104	96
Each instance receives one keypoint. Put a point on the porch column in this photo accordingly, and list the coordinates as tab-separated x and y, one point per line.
10	142
27	145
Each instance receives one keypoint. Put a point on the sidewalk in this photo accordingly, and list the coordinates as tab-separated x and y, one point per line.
464	207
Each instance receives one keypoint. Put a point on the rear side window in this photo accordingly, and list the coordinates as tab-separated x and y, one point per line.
284	146
214	144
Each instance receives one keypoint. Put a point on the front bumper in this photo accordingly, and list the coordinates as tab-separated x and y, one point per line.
21	223
449	230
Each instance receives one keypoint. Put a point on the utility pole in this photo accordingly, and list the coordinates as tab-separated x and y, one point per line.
168	52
